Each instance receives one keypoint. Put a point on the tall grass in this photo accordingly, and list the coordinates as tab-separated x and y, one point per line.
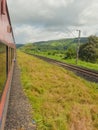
60	57
60	100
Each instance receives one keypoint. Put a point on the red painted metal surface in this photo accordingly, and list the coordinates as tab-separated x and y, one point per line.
6	37
5	95
6	33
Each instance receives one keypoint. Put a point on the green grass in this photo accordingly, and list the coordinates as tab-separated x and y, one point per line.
59	57
60	100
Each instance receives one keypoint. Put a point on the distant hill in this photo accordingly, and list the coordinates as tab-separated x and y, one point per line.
71	40
19	45
53	46
61	42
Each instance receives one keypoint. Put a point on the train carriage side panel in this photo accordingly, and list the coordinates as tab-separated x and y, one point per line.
5	24
7	54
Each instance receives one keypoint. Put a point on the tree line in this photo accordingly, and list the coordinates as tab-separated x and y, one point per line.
87	51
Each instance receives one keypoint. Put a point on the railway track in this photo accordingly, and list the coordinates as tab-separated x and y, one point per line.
85	73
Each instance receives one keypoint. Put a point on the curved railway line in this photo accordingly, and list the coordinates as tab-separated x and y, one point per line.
85	73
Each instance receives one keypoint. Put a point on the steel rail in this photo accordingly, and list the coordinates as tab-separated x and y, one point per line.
86	73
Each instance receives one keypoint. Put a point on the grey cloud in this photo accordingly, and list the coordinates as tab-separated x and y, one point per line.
53	15
41	12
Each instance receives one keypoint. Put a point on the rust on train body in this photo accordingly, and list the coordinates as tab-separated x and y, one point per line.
7	55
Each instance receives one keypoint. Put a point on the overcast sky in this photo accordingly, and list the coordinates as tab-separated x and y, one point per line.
38	20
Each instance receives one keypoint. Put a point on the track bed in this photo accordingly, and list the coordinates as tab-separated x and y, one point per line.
19	109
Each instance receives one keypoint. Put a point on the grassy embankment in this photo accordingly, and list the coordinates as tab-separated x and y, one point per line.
93	66
60	100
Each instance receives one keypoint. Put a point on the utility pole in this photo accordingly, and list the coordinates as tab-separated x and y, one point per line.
78	45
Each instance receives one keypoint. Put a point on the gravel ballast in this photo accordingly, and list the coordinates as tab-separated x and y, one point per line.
19	115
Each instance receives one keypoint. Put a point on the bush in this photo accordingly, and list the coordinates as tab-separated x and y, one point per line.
70	53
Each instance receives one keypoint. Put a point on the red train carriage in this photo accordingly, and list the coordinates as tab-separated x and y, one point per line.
7	54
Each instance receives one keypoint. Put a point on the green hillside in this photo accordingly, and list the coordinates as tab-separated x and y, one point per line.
53	46
65	50
19	45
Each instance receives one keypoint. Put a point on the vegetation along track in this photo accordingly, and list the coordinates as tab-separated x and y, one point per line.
88	74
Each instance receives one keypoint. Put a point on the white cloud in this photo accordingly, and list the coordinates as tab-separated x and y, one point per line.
27	33
36	20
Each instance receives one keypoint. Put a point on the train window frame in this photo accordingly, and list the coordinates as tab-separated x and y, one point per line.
6	61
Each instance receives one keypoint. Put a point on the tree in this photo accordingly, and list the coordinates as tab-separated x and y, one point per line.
88	51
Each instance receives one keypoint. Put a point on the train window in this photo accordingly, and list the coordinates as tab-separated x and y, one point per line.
12	54
10	57
2	67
